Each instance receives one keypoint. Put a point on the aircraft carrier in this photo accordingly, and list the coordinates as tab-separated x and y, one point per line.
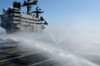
15	21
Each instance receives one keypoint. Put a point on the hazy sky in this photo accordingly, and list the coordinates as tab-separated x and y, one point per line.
65	12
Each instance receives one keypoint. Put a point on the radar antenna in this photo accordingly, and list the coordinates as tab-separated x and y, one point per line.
29	3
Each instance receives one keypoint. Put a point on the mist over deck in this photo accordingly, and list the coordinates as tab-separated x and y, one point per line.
14	53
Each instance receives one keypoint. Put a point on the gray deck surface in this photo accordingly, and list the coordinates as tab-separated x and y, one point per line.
12	55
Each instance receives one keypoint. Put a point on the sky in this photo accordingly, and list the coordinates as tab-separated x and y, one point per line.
59	13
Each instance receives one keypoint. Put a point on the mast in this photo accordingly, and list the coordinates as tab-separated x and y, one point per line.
28	7
29	4
37	12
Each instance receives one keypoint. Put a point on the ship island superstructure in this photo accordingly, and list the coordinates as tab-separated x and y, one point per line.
13	20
